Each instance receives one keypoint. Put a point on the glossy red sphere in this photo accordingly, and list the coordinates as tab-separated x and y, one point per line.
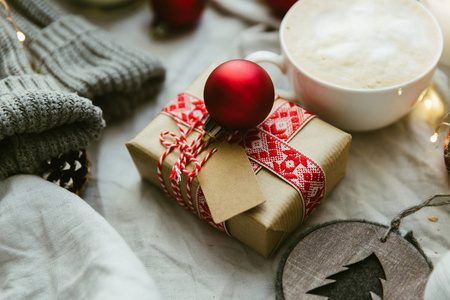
178	14
239	94
280	7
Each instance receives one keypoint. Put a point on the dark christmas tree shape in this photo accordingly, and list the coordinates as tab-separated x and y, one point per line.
356	282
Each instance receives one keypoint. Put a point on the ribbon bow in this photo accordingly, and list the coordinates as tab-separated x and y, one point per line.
188	154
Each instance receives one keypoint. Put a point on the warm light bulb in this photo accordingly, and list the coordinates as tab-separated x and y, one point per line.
428	104
20	36
433	138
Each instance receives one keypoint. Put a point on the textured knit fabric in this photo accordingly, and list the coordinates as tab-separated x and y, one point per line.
87	60
38	119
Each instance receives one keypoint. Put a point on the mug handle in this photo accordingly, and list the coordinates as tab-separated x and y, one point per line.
277	60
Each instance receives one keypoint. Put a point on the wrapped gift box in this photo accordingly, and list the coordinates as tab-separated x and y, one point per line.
318	151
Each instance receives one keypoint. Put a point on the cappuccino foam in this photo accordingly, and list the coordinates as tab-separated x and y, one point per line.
362	44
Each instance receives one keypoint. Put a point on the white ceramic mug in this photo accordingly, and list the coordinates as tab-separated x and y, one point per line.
441	10
351	109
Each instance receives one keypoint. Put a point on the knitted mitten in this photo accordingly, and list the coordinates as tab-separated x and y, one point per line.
86	59
37	119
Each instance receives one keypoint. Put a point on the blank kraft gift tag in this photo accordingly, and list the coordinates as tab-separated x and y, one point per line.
228	182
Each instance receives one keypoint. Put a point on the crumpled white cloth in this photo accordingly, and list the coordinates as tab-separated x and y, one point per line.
55	246
249	10
438	287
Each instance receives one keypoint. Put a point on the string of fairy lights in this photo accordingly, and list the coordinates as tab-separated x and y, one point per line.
20	35
434	108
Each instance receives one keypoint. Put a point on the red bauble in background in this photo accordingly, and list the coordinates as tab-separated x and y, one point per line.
280	7
239	94
177	14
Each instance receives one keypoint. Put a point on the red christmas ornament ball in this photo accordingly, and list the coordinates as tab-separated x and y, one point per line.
178	14
280	7
239	94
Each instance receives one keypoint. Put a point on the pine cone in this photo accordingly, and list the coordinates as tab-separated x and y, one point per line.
70	170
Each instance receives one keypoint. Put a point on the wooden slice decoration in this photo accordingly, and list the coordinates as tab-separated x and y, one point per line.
347	260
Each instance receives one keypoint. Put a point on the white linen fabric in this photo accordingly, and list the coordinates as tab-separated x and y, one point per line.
388	170
55	246
437	286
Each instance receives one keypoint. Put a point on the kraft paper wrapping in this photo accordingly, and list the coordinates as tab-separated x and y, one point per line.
266	226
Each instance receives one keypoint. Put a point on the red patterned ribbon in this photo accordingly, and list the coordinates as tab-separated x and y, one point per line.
187	109
266	146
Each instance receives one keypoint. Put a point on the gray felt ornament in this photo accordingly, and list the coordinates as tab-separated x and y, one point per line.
356	259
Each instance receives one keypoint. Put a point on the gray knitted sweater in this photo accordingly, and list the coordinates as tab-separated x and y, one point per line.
87	60
53	108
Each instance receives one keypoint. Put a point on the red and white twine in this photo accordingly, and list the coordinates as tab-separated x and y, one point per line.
188	154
